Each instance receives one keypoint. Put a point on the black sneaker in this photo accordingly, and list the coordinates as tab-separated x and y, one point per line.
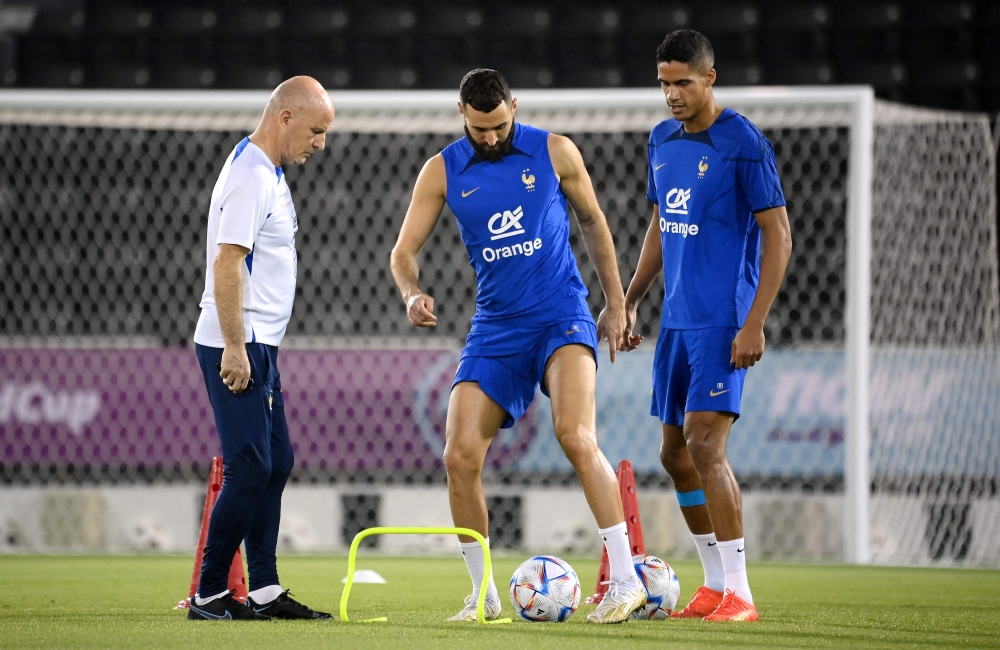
284	606
225	608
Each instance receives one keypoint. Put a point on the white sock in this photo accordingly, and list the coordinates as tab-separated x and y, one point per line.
734	562
199	601
264	595
711	561
476	562
619	553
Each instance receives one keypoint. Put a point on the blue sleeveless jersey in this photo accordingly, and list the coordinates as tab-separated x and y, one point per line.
514	222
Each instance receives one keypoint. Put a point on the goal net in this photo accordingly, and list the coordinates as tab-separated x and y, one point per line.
869	430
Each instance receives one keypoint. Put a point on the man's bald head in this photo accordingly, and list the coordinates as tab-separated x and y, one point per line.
298	94
295	121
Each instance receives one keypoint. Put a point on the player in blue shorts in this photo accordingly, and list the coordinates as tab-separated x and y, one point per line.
510	186
714	186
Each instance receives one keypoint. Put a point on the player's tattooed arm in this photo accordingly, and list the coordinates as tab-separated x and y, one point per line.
650	265
579	190
425	207
227	271
748	346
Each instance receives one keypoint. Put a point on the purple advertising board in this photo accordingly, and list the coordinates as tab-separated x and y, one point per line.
934	412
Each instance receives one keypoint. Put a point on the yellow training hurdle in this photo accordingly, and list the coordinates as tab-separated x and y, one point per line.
416	530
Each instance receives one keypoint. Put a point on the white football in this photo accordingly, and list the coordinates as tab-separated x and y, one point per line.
662	588
545	589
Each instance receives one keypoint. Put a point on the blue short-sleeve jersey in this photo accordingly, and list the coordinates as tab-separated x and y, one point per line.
707	186
514	221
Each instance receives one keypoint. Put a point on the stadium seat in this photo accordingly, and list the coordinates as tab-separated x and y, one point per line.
528	76
189	21
940	15
590	21
56	76
8	60
444	51
867	17
796	18
715	19
39	51
60	20
252	76
590	77
655	20
251	21
187	76
8	51
328	75
739	74
945	75
452	21
444	76
388	77
386	22
182	51
123	21
120	76
520	21
234	51
882	75
812	74
317	21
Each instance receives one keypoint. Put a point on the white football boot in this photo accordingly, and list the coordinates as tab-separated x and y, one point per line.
621	599
491	610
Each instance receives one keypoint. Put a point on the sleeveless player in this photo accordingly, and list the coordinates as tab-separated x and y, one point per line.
249	288
508	185
714	187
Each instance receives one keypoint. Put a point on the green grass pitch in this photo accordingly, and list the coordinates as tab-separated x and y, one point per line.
125	602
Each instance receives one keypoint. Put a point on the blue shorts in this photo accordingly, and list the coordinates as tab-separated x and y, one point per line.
511	380
691	372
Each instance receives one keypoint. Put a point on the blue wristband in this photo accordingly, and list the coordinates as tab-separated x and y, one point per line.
691	499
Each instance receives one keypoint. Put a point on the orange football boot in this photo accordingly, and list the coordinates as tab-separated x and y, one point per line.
733	608
703	603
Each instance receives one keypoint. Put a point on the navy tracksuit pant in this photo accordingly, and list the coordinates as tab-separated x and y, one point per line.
257	459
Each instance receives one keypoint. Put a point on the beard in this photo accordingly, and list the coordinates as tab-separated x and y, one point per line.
501	149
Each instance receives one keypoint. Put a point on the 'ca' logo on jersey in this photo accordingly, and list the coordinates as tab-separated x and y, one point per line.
509	224
677	201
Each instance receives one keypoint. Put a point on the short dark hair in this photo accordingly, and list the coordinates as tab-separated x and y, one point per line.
687	46
483	89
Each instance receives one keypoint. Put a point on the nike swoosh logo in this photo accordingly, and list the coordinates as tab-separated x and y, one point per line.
465	194
658	166
209	614
711	543
739	550
712	393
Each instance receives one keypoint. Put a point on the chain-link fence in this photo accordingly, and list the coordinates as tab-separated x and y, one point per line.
104	231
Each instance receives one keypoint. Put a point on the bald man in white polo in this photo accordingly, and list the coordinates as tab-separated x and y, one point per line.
249	289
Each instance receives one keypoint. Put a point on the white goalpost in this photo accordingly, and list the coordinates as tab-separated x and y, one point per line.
893	280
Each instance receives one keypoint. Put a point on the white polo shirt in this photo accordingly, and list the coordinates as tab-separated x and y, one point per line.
252	207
